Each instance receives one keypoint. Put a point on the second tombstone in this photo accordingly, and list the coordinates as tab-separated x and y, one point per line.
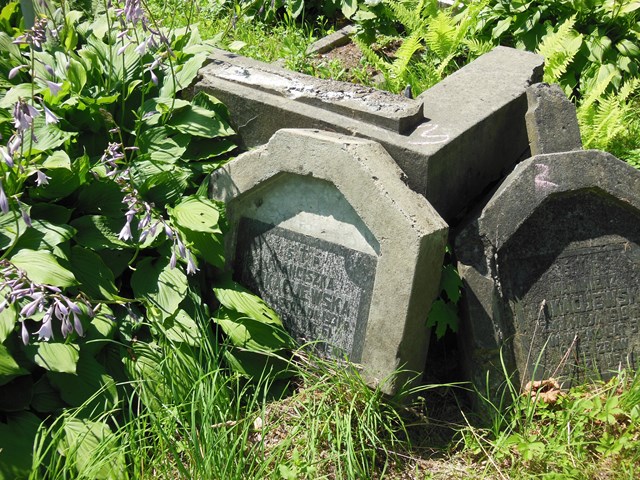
324	229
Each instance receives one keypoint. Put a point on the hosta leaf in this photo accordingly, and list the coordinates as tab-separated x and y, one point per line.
183	77
89	379
49	136
162	145
11	226
42	267
98	232
199	122
9	368
53	356
44	235
95	278
235	297
8	318
159	285
251	334
206	245
46	398
197	213
256	365
17	436
82	440
182	328
99	332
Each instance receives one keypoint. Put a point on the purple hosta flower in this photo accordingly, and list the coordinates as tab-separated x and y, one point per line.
41	178
23	115
35	36
125	233
45	332
41	298
191	265
134	13
24	333
8	159
24	211
14	71
54	87
49	116
50	70
4	201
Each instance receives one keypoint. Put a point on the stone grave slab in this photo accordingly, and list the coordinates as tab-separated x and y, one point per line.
451	142
324	229
552	123
551	268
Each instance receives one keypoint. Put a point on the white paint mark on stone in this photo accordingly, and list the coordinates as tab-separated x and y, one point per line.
426	133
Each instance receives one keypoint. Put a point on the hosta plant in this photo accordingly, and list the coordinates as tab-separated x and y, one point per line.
107	236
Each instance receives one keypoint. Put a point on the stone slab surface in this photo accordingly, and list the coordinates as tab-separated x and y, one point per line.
324	229
471	132
337	39
551	267
552	123
377	107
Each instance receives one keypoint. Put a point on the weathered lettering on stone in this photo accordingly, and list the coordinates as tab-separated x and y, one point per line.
321	290
552	270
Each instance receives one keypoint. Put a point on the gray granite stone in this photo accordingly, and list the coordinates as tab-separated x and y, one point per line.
551	268
552	124
325	230
452	142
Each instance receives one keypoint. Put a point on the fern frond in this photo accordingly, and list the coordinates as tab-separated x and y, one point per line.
478	47
408	15
441	35
409	47
559	49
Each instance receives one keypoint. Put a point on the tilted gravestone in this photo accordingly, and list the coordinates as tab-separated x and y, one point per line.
451	142
552	124
551	268
324	229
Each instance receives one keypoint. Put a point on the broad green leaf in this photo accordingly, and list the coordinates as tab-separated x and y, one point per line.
9	368
17	435
90	378
235	297
442	316
49	136
42	267
257	365
51	212
102	197
183	77
199	122
58	159
182	328
99	332
82	440
349	7
204	149
198	214
53	356
95	278
163	145
208	246
77	75
211	103
159	285
44	235
8	319
250	334
11	226
451	283
97	232
46	399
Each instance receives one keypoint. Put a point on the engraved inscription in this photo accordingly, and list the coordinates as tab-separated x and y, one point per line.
583	311
321	290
